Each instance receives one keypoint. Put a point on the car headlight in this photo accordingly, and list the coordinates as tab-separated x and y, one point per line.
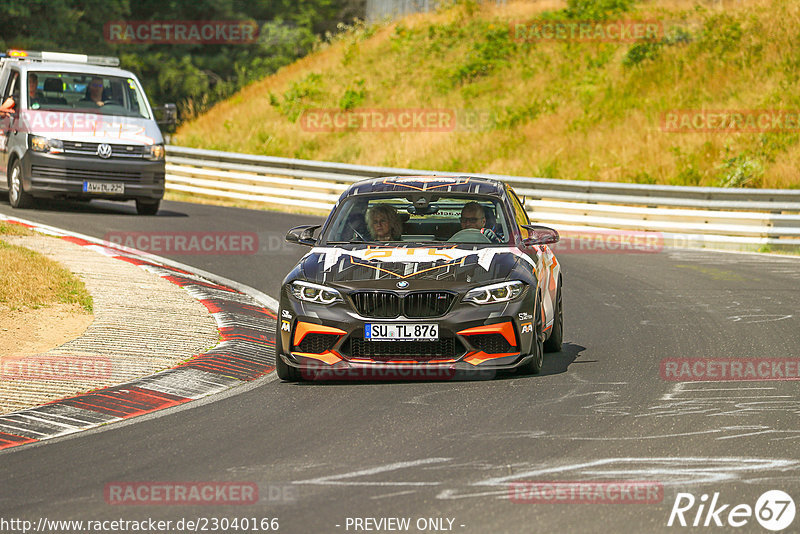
314	293
154	152
502	292
43	144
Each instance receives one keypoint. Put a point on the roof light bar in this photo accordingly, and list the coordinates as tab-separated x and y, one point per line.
107	61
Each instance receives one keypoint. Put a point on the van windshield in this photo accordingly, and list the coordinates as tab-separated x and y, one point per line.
102	95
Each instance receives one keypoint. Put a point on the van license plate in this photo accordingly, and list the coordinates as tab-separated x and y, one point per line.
107	188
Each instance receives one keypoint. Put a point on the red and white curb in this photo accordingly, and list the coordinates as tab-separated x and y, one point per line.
246	320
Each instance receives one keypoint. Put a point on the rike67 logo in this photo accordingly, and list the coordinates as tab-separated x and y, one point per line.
774	510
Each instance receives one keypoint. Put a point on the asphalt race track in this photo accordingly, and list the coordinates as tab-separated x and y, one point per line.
600	410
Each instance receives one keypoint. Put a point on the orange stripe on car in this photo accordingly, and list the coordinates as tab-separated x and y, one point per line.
478	357
328	356
504	329
304	328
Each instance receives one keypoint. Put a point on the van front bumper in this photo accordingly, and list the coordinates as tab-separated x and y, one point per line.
66	176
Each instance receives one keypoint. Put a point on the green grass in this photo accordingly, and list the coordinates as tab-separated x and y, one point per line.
30	280
14	229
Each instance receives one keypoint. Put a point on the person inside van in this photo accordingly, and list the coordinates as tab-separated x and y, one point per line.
94	92
8	106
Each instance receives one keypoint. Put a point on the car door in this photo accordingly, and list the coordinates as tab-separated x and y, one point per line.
543	257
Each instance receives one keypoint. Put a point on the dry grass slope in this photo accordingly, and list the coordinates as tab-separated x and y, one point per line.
31	280
587	111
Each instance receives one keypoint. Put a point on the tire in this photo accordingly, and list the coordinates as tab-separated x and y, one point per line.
553	343
286	371
144	207
534	365
17	196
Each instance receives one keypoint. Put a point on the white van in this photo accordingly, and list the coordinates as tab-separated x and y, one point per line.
80	127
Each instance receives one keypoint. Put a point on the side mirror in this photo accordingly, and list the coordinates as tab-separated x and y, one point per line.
302	235
168	114
540	235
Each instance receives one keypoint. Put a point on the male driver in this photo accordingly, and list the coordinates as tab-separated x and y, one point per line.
94	92
473	216
10	103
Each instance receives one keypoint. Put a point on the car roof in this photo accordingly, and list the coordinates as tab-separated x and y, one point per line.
439	184
73	68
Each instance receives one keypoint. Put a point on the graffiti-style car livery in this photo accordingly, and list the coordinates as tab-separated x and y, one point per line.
464	282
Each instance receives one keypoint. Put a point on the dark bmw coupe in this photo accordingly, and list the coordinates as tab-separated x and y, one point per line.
424	277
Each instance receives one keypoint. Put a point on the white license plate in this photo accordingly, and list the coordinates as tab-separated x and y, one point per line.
401	332
108	188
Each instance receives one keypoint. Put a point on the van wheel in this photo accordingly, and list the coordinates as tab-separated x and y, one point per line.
17	196
144	207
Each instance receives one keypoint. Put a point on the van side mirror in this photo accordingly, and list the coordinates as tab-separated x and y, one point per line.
167	114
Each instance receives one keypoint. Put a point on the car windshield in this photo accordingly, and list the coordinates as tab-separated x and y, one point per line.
102	95
419	219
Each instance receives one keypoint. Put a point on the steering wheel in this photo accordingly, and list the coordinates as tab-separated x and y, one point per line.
358	234
469	235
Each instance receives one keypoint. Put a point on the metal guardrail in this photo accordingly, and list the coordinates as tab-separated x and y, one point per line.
685	216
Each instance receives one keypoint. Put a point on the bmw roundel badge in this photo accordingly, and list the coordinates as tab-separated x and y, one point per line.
402	284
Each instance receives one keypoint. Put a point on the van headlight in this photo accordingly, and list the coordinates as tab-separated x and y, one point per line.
502	292
154	152
315	293
43	144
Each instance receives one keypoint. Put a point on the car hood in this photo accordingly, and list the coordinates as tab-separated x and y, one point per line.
381	266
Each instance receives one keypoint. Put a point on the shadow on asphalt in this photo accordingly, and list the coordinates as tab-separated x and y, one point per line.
554	363
97	207
557	362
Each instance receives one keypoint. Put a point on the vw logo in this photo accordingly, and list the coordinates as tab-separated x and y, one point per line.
104	150
402	285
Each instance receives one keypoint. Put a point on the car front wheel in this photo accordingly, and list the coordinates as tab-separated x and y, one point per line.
534	365
553	343
286	371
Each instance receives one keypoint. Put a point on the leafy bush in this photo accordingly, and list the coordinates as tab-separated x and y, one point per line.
645	51
722	33
741	171
298	97
486	55
352	98
596	9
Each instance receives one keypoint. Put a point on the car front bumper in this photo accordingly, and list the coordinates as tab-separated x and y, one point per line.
327	342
